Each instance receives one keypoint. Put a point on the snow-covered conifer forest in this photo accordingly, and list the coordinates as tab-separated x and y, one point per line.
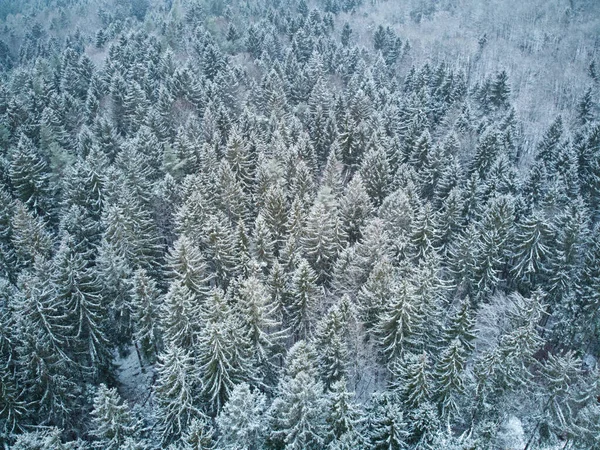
299	224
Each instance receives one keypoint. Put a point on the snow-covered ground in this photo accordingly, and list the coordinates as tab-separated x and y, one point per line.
135	380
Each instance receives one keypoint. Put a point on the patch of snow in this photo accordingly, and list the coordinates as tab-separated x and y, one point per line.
589	361
135	381
511	434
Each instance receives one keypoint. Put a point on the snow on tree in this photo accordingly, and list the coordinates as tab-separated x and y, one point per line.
449	376
111	419
223	352
355	208
145	298
398	326
375	173
175	391
30	177
331	344
413	379
77	288
298	412
303	305
241	421
387	427
257	316
344	414
180	317
214	187
188	266
199	435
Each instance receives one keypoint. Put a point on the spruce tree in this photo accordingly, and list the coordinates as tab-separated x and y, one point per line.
77	288
331	344
241	421
344	414
111	419
180	317
500	90
355	208
461	326
388	428
145	302
304	300
258	319
199	435
219	245
375	173
223	353
323	238
532	239
30	237
449	375
398	326
188	267
414	383
175	391
298	412
585	108
374	294
30	176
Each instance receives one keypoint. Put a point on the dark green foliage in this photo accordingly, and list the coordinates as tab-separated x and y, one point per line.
283	225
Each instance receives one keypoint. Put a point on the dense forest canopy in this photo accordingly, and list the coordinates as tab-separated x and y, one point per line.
299	224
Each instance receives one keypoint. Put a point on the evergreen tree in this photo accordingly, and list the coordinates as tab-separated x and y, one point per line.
43	359
145	299
30	237
298	413
257	316
355	208
500	90
111	419
505	366
180	318
232	33
218	242
414	380
398	325
346	34
187	266
304	301
533	236
323	238
585	108
48	439
241	419
375	293
263	243
12	406
388	428
422	237
175	391
113	274
449	376
375	173
77	289
330	342
275	213
277	288
30	176
222	353
129	229
199	435
549	145
344	414
461	326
